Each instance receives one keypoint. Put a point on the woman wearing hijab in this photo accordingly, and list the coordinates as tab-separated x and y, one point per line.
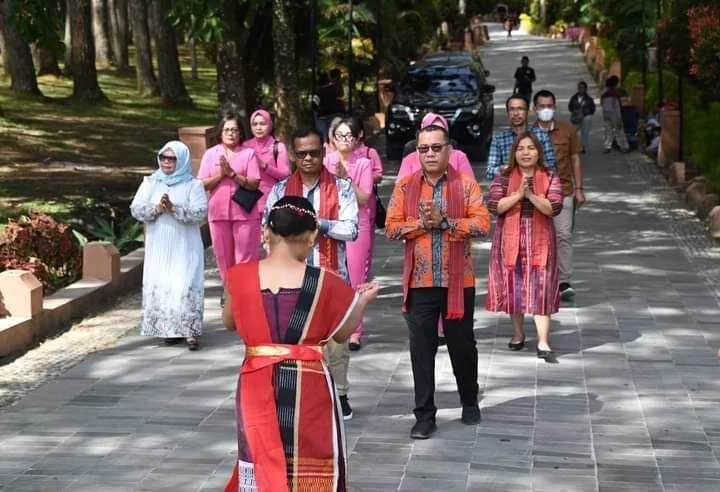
172	204
271	153
523	276
458	160
235	232
346	163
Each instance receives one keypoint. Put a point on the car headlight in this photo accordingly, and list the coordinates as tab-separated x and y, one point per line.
400	111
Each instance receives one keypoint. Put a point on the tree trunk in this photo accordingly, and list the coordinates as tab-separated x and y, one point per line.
100	32
172	87
287	100
45	61
67	68
119	33
147	84
85	83
16	55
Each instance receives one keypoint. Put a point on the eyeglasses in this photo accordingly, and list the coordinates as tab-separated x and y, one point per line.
168	158
517	110
423	149
231	130
344	137
313	153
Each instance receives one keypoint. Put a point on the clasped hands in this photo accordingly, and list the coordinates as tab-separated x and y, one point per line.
525	191
165	205
430	215
226	170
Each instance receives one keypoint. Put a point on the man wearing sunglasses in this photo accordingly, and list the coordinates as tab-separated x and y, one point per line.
437	211
336	207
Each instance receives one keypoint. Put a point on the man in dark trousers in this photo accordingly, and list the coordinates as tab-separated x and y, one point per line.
524	78
437	212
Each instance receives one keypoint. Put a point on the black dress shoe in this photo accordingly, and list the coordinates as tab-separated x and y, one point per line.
517	345
423	429
471	415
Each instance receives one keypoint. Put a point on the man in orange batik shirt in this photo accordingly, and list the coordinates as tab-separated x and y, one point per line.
437	212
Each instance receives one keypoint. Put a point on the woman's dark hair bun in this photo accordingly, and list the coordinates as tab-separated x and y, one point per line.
292	216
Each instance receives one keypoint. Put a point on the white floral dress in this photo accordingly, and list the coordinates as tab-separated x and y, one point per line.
173	274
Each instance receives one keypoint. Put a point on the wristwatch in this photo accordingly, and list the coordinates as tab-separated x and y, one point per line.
444	224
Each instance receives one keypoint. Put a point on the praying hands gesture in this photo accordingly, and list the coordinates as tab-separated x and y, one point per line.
225	169
341	170
430	214
165	205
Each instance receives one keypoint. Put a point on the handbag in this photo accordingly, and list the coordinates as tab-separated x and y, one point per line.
380	212
246	198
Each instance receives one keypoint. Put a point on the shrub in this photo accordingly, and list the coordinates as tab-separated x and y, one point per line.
42	246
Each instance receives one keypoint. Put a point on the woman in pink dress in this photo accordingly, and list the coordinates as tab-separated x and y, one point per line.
235	232
271	153
458	159
523	277
345	163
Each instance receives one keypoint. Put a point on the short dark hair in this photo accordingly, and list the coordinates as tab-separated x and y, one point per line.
335	73
229	114
543	93
516	96
305	132
353	124
524	58
291	216
612	81
583	83
433	128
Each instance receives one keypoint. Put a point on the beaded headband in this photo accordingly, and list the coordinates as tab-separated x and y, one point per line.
297	210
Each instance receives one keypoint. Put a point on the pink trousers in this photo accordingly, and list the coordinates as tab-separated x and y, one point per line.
234	241
359	256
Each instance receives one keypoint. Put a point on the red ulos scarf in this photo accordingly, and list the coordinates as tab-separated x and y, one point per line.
511	230
455	210
329	210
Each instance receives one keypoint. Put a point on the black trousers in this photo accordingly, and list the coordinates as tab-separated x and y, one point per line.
424	307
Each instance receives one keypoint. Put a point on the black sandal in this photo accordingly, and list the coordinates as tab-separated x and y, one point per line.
193	344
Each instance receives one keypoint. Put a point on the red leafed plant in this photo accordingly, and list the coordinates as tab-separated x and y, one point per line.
704	27
42	246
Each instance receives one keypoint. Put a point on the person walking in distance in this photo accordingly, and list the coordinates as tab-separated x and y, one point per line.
437	212
582	108
567	151
524	78
502	141
523	272
337	211
611	103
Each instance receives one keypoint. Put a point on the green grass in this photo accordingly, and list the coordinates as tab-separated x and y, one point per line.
122	136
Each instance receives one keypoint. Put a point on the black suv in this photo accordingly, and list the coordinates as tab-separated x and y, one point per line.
453	84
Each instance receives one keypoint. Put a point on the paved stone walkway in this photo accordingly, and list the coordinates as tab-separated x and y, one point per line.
632	404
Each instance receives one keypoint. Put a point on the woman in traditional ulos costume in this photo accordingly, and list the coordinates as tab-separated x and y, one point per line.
289	427
523	274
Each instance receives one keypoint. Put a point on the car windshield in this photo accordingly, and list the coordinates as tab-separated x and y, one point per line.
440	81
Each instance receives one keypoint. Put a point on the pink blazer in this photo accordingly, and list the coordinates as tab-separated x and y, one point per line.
458	160
276	171
220	204
360	170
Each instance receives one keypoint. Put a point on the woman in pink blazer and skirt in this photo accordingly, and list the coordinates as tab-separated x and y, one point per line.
346	163
235	232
